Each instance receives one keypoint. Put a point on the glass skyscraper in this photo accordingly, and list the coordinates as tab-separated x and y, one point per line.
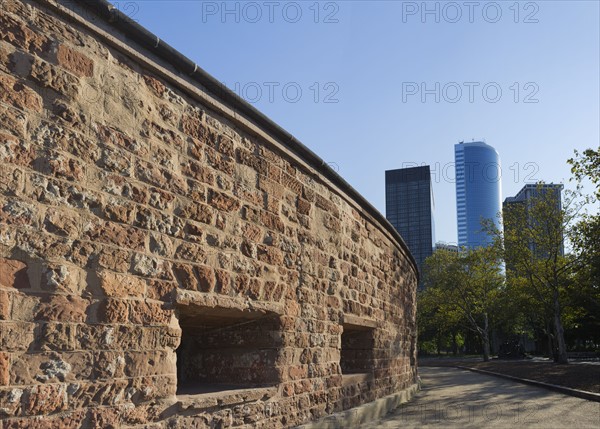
478	193
531	192
409	208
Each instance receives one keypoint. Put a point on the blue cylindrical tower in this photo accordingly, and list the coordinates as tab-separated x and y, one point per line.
478	191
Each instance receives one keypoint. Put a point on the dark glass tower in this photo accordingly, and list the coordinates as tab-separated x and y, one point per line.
477	191
550	192
409	208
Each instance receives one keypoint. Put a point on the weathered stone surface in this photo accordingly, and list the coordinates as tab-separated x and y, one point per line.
62	308
121	285
13	274
149	313
62	223
12	121
151	241
45	74
18	95
5	304
74	61
4	368
19	34
50	368
113	311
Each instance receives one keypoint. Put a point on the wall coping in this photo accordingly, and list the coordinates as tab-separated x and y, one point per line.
193	80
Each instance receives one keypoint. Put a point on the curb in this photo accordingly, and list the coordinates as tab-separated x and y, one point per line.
590	396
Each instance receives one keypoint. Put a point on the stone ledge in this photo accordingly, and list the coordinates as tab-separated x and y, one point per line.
221	302
349	379
200	402
356	416
359	322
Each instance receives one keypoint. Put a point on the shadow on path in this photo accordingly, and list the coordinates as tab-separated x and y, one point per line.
453	398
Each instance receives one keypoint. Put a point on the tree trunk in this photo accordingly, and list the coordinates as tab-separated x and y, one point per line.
454	345
550	347
485	338
560	333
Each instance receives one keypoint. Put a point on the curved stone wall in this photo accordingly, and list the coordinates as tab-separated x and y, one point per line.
166	261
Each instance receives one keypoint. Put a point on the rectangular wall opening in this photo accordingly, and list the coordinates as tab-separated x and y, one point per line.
226	349
356	357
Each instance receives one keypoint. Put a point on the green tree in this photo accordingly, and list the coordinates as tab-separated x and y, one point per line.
438	321
533	248
585	238
466	285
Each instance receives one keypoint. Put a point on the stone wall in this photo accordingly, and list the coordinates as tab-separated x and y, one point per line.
137	209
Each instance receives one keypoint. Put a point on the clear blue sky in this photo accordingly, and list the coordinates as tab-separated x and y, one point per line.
368	55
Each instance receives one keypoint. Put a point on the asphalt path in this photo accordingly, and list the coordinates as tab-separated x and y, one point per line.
454	398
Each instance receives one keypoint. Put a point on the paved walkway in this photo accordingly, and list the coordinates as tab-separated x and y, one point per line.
453	398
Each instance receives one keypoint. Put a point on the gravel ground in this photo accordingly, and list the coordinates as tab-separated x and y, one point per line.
576	375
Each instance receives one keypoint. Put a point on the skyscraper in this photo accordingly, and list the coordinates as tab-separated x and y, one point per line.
409	208
550	192
477	191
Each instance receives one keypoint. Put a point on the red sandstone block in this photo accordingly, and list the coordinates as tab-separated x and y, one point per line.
155	85
5	305
62	223
12	121
192	126
184	273
116	234
272	221
121	285
46	75
16	151
45	399
50	367
223	202
190	252
270	255
16	94
111	137
63	167
151	129
20	35
160	290
106	417
4	368
150	388
149	363
226	146
249	159
98	393
108	365
303	206
114	259
218	161
198	172
74	61
206	278
223	282
148	313
118	210
292	184
62	308
13	273
252	232
198	212
113	311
